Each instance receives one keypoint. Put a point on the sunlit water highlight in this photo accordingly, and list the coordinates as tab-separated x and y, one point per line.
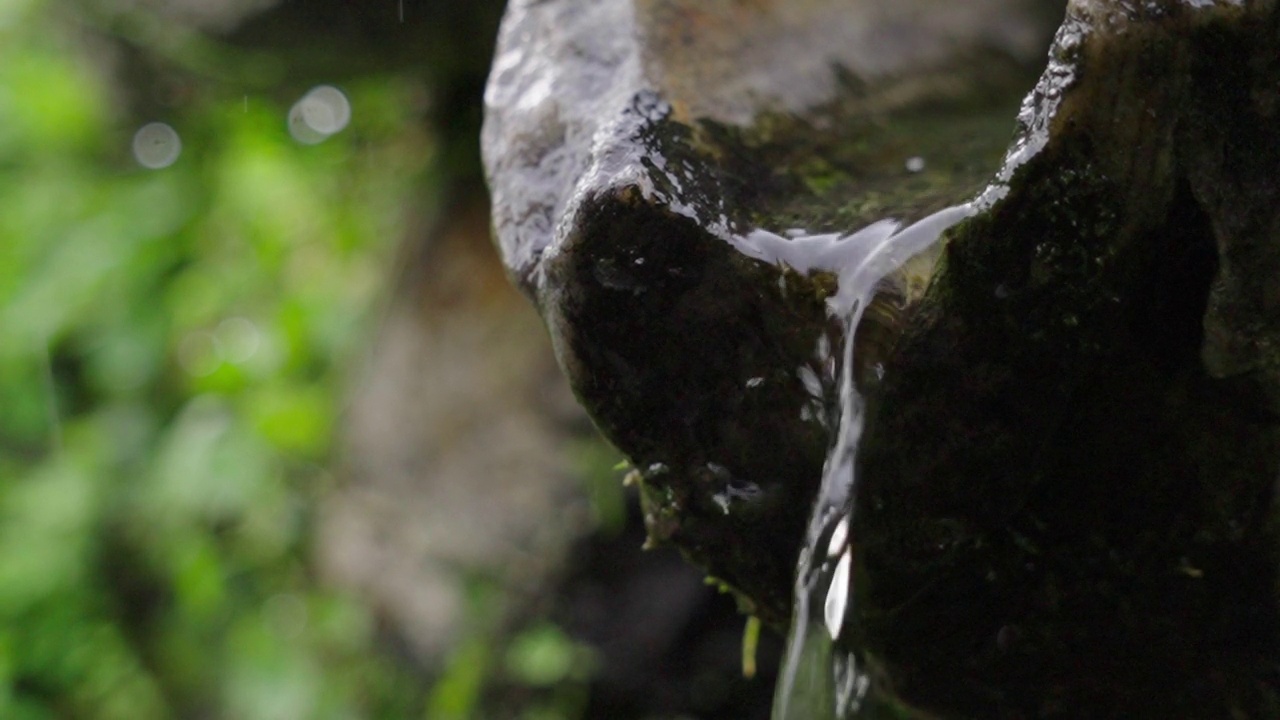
821	678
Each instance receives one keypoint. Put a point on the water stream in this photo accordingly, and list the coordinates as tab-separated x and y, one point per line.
821	677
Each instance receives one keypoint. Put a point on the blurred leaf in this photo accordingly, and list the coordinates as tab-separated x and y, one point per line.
296	419
49	101
44	523
456	695
183	332
750	643
543	656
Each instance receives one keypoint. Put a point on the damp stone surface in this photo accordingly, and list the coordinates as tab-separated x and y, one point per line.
1047	436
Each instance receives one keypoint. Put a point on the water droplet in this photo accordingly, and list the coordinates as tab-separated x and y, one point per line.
722	501
838	537
837	596
809	379
156	145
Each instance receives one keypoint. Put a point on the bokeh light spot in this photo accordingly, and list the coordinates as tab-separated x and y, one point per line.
156	145
323	111
239	339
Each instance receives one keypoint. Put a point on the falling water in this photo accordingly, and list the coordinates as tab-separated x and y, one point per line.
821	678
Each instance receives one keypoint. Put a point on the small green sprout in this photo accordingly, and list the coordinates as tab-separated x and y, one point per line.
750	640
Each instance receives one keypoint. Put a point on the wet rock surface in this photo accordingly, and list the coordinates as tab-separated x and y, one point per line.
1066	498
649	163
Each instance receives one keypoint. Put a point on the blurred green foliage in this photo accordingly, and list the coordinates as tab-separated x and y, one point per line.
171	352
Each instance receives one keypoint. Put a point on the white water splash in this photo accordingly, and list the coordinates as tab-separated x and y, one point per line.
816	672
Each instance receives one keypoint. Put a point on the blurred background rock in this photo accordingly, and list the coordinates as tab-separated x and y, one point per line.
277	438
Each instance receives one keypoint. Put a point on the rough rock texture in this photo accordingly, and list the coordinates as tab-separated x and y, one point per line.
577	91
634	148
1067	505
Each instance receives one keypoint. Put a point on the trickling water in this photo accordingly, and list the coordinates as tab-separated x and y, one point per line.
821	677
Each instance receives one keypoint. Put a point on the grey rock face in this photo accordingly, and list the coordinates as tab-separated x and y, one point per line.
576	87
